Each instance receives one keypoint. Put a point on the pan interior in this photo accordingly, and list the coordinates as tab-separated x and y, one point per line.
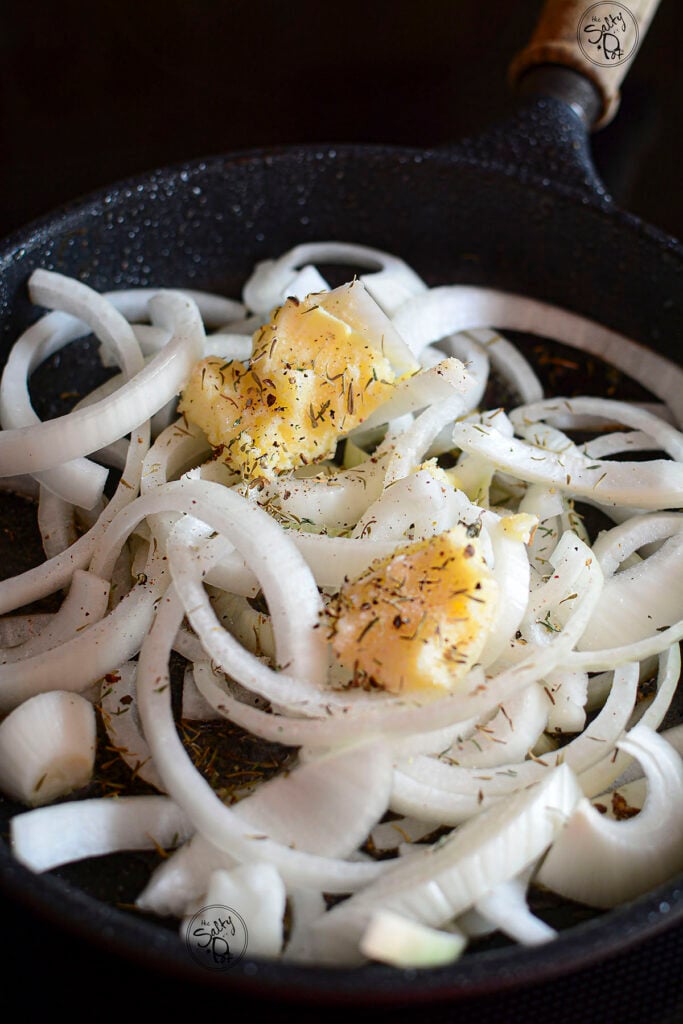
455	220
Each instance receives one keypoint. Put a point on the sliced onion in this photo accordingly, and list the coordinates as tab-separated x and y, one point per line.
30	449
305	906
603	862
506	908
597	779
390	284
441	882
657	484
89	655
84	605
45	838
436	384
478	754
637	602
210	816
118	705
396	940
56	522
57	571
258	894
441	311
326	806
47	747
665	436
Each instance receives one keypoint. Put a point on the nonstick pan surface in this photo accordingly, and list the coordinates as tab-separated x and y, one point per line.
493	212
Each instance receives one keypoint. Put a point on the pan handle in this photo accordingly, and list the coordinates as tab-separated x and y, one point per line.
597	40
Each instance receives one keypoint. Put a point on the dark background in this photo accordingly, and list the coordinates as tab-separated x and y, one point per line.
94	92
98	91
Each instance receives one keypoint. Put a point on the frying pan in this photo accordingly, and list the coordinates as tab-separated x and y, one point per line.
519	208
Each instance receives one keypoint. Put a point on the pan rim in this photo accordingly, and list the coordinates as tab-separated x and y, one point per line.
142	941
23	236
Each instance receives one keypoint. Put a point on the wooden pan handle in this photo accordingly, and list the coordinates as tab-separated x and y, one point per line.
599	40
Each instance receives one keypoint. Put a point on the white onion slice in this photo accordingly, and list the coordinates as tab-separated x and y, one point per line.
305	906
657	484
436	384
452	780
603	862
390	285
257	893
506	908
118	705
442	311
49	836
80	481
252	628
418	505
30	449
56	522
84	605
330	559
406	449
180	881
305	282
666	437
638	602
400	942
441	882
195	706
511	571
55	291
89	655
343	723
614	546
326	806
507	737
220	824
267	548
57	571
47	747
17	629
511	364
597	779
467	347
390	835
566	694
639	650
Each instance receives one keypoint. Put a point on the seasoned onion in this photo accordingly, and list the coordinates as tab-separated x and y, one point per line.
409	612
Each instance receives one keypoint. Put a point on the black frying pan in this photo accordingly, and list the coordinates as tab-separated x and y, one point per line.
519	208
